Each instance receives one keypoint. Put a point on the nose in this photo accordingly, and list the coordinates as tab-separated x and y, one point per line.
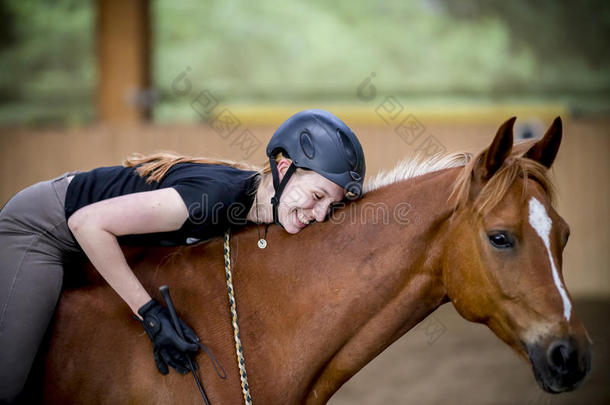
320	210
562	357
562	364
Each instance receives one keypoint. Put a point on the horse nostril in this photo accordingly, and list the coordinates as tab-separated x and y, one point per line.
560	355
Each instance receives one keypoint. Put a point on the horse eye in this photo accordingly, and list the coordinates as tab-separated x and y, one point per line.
500	240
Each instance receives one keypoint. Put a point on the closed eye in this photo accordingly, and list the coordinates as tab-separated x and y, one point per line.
317	196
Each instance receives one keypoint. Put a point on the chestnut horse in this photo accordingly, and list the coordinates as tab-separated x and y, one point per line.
316	307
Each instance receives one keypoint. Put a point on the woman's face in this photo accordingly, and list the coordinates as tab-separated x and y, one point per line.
308	196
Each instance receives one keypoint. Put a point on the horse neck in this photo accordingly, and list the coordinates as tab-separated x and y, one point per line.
325	303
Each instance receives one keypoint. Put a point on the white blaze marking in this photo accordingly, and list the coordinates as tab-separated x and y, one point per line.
540	221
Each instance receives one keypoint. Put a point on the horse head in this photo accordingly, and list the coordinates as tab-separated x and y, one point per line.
503	256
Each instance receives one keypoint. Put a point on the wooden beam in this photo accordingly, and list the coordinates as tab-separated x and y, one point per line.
123	60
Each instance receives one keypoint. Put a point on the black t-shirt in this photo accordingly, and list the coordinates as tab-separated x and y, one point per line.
217	197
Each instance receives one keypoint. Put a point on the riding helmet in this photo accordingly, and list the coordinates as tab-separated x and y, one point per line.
317	140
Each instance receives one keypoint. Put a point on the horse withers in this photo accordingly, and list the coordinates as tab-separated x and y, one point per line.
314	308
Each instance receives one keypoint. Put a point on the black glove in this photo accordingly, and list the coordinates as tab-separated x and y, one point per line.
168	346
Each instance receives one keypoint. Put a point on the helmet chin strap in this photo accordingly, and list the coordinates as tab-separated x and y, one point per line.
279	186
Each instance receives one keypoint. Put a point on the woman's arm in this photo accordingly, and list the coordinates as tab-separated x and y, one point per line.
97	225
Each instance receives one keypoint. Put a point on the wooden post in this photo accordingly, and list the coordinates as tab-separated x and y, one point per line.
123	60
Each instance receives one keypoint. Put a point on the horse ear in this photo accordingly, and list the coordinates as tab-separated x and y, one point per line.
498	151
545	150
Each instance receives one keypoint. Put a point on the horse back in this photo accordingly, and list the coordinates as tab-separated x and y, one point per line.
95	352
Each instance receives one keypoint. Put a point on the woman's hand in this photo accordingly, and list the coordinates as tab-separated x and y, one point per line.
168	347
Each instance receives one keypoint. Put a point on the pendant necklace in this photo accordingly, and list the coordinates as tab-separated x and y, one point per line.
262	242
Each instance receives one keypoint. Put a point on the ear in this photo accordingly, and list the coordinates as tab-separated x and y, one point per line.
282	167
497	152
545	150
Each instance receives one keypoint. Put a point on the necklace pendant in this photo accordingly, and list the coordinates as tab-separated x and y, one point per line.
262	243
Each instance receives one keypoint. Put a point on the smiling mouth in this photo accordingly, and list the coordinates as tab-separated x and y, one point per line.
300	222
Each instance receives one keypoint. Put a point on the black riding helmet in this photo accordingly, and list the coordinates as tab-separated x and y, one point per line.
319	141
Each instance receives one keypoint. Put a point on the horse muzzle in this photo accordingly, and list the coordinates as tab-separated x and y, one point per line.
560	365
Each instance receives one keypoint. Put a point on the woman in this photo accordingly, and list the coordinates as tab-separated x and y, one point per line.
162	199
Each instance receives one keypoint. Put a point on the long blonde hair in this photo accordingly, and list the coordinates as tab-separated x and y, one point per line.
154	166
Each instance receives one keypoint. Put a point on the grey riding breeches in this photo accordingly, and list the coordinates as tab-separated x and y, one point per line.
34	242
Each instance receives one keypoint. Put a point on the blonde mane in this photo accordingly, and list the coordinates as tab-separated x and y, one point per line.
494	190
418	166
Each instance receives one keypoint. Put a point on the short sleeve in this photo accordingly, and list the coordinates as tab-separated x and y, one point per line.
206	201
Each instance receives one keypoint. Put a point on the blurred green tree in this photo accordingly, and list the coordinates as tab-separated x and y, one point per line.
47	55
554	29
